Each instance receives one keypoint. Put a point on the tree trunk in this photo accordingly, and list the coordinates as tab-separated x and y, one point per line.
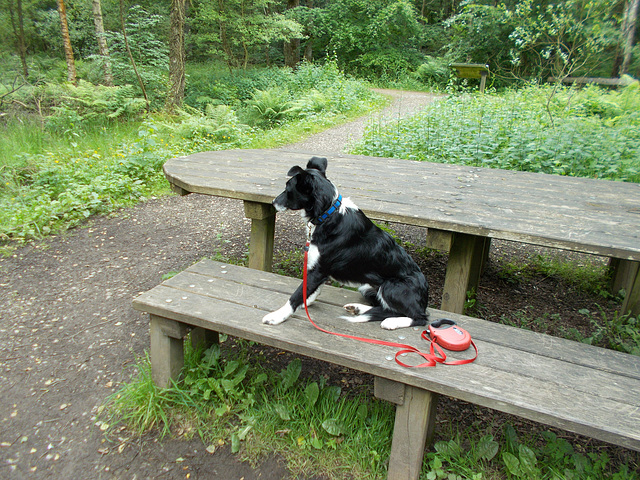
128	48
308	48
66	39
18	33
177	56
292	47
103	48
223	36
630	17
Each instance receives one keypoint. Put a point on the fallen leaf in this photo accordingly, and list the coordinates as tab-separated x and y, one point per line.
211	448
103	451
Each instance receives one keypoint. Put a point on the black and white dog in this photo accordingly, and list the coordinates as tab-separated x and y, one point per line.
347	247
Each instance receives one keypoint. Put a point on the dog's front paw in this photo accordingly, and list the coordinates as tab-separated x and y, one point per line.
279	316
393	323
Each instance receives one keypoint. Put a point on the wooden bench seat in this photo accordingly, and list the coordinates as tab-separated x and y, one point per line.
565	384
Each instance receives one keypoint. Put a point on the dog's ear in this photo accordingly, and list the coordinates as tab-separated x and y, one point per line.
295	171
318	163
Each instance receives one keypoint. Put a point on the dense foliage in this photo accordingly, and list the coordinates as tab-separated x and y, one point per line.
588	133
75	155
389	39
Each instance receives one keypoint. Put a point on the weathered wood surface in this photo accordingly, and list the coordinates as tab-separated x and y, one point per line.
557	382
470	70
592	216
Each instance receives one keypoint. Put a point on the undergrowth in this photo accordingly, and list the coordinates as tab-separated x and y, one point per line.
587	133
72	152
232	394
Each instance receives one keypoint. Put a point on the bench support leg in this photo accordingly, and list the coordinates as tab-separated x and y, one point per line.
413	429
167	349
263	227
202	338
632	299
464	267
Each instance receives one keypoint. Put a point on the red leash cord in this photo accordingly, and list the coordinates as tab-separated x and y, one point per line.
432	359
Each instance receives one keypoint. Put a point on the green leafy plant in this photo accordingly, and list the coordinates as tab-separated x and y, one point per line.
514	131
618	332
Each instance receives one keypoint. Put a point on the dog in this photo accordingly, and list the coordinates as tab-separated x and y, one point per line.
346	246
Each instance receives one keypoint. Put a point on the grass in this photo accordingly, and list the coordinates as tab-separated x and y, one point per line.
261	404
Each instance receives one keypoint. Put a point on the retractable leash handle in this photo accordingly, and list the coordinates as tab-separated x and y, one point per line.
448	334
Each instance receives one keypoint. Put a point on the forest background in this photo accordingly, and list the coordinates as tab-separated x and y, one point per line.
96	94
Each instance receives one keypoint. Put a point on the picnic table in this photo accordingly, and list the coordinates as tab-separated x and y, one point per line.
468	206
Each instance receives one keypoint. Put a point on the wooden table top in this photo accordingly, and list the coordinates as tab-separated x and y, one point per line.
585	215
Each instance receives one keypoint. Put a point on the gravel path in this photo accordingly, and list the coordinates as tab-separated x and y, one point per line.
68	334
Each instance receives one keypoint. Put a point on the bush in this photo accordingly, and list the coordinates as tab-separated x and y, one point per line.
588	133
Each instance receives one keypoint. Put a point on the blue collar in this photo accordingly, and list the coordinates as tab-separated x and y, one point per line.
332	209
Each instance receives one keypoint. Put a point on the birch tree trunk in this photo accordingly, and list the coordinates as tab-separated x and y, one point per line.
103	48
629	20
177	56
66	40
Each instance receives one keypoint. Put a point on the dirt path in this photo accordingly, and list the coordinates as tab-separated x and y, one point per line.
68	333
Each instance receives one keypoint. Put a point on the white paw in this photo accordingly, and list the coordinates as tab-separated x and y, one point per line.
357	308
279	316
393	323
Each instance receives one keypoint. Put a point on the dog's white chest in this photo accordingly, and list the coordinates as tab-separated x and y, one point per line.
313	257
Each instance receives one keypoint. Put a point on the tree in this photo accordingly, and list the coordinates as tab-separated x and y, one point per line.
17	25
66	40
630	17
103	48
177	57
292	47
130	55
237	30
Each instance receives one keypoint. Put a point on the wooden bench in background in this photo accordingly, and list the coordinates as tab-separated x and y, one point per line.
472	70
564	384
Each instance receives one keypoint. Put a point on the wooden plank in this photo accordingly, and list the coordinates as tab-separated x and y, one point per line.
608	361
605	81
167	349
547	210
268	298
470	70
631	302
562	394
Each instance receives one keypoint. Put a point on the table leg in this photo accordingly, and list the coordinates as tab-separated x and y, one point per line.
263	226
167	349
413	428
464	267
627	277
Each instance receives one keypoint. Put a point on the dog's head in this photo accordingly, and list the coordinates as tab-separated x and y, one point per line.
308	191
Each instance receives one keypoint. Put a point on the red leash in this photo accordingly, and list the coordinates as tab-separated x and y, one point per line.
432	359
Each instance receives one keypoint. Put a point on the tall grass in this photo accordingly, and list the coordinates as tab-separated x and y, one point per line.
589	133
92	150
